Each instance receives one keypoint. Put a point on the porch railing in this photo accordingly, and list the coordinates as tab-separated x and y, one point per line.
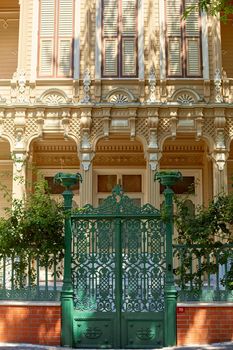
30	279
204	272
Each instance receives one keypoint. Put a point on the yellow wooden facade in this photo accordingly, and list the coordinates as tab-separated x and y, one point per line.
114	129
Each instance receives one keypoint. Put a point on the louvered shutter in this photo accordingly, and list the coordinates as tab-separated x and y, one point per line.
174	38
128	38
110	38
192	41
46	41
65	38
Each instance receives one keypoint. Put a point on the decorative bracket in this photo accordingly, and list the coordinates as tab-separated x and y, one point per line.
40	115
132	122
65	114
173	121
199	122
106	113
20	124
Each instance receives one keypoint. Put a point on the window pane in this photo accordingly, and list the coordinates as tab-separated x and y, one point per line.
106	182
132	183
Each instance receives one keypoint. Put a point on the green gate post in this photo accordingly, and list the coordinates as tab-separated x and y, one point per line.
168	179
67	180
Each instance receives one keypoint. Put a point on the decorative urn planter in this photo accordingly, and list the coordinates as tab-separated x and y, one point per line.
67	180
168	178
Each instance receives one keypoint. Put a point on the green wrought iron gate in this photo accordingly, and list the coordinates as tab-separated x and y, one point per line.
118	275
118	289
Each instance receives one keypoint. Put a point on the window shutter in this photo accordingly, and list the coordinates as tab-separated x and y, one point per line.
174	44
110	57
65	36
128	57
192	41
110	37
129	36
46	51
46	57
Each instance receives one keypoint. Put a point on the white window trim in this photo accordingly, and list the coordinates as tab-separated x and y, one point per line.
76	52
141	73
204	37
205	49
162	55
98	45
35	28
35	32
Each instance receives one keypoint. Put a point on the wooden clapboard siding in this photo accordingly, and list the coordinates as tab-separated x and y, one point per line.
9	4
183	40
227	47
9	35
119	38
56	26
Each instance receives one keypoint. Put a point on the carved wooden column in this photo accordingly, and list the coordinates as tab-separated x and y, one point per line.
86	155
220	153
19	155
153	156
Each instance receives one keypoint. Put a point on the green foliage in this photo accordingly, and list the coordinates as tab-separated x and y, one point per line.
213	7
207	238
32	229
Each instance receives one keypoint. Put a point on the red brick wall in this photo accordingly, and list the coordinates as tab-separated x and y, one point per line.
39	324
204	324
30	324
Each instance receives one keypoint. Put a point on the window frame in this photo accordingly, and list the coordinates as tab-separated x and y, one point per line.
183	40
108	171
120	39
56	38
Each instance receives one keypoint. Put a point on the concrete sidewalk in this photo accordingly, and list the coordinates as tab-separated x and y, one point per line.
217	346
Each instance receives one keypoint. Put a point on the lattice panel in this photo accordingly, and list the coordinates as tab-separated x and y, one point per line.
229	127
164	127
9	126
31	127
143	265
209	128
75	127
142	128
96	128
